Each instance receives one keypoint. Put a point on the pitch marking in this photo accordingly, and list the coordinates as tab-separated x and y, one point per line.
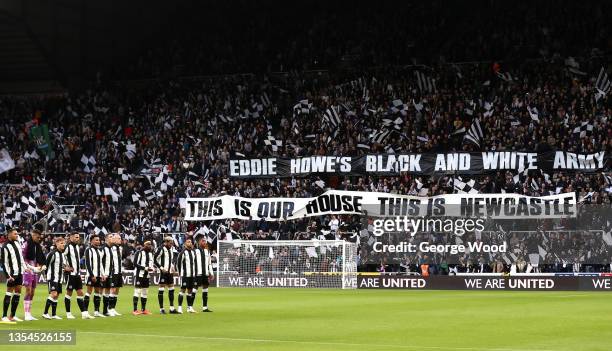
311	342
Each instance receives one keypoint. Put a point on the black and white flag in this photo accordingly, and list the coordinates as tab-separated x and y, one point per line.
488	106
164	180
295	127
420	189
398	106
12	213
470	187
584	128
426	84
123	173
168	123
331	117
256	110
380	136
149	194
102	230
458	131
332	136
602	85
608	179
89	164
474	134
470	107
533	113
128	149
137	199
273	143
31	155
393	123
153	163
28	204
265	100
302	107
113	194
224	119
521	176
417	106
196	141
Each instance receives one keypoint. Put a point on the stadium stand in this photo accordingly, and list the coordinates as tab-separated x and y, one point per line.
185	107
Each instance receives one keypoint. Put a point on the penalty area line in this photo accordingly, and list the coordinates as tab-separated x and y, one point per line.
306	342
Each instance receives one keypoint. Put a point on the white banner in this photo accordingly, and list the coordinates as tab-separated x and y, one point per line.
377	204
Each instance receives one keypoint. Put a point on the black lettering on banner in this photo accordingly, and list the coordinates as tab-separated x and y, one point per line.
275	209
334	203
382	204
242	207
475	206
218	208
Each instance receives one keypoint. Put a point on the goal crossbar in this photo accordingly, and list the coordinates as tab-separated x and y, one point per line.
287	263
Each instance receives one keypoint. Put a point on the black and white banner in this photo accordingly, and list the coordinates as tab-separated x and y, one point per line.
595	282
127	277
378	204
414	163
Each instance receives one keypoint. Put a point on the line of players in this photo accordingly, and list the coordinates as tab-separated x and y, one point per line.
104	275
193	266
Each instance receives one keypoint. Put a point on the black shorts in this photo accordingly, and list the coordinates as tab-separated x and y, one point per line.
117	280
74	282
140	282
166	278
187	283
54	286
17	280
106	284
201	280
96	284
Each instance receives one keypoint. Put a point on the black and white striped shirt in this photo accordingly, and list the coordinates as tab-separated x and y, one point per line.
107	260
164	258
73	258
142	261
12	259
55	266
93	262
116	257
186	263
203	264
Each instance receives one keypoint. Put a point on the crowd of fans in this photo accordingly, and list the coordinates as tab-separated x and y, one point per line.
190	128
567	251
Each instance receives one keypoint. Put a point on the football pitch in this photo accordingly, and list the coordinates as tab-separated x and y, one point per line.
316	319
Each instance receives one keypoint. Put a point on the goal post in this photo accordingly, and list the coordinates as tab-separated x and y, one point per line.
287	264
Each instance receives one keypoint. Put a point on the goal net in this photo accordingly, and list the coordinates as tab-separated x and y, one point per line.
287	264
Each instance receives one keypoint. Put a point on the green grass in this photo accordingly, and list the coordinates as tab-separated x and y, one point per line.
313	319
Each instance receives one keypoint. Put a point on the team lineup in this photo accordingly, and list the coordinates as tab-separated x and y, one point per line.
25	264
